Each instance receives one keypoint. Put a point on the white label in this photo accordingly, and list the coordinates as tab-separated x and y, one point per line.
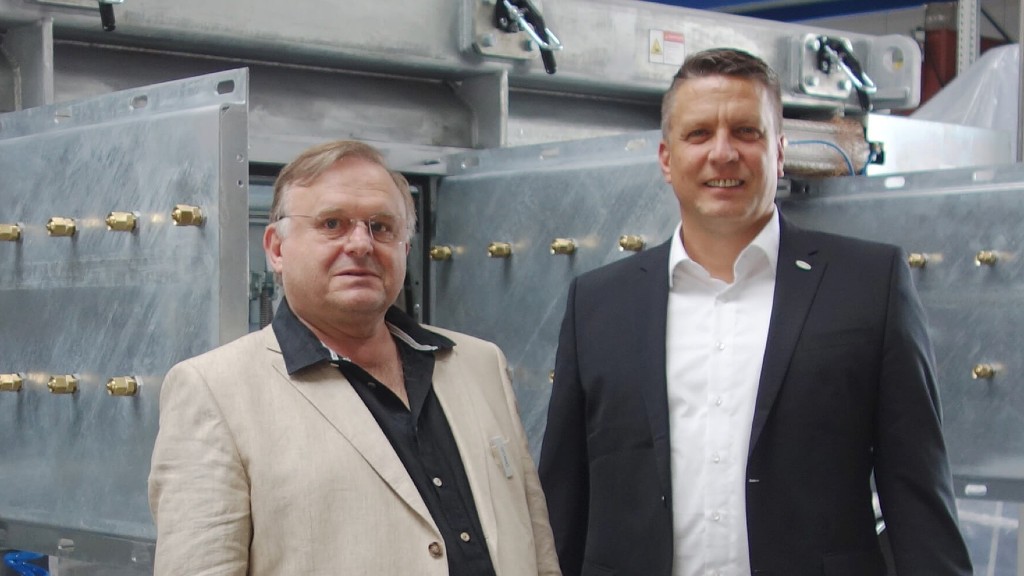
664	47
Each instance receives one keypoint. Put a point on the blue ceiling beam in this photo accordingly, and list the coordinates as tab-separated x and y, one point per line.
794	10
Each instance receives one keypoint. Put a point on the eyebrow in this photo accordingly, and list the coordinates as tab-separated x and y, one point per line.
347	214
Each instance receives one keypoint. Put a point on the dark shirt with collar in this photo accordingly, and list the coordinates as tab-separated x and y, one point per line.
420	434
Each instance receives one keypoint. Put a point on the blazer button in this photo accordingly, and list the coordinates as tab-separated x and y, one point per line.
435	550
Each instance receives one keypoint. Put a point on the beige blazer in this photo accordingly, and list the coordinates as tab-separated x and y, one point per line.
255	472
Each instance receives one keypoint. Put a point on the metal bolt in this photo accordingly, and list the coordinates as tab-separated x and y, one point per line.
811	81
983	372
844	85
813	44
632	243
122	386
121	221
487	40
564	246
917	260
185	215
499	250
986	257
10	232
58	226
440	253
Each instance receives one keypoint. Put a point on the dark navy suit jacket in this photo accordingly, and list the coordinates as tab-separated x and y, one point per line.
847	389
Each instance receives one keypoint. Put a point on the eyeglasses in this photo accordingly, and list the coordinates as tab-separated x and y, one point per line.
383	228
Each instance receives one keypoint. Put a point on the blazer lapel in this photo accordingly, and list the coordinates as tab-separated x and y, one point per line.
333	397
650	296
798	274
457	402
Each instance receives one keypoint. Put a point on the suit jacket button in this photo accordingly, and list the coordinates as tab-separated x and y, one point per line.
435	550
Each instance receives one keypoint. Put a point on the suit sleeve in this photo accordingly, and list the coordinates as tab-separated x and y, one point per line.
547	561
198	488
912	472
564	468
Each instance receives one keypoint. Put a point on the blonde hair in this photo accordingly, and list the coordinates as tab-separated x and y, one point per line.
314	161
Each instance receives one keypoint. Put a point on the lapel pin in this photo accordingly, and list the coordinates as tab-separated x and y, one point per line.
803	265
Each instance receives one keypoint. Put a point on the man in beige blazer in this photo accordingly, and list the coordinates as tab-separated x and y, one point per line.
345	438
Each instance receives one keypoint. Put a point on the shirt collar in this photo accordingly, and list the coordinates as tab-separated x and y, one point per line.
302	349
766	242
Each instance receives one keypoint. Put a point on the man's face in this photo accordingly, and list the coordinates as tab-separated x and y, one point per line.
330	280
723	154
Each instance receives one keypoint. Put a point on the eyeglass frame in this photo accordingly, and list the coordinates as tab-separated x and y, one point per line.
330	234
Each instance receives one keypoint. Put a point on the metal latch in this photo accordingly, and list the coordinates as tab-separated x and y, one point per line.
107	14
838	53
521	15
512	30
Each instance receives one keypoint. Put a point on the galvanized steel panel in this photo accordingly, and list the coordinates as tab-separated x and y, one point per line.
103	304
594	191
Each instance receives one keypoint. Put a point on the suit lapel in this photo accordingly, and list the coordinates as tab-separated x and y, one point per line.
650	296
456	399
798	273
333	397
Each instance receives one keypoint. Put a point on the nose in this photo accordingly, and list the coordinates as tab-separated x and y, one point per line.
359	241
722	149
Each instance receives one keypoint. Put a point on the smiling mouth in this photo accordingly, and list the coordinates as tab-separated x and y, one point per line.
724	183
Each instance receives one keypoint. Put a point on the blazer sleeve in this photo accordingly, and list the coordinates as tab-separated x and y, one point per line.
912	472
544	545
564	468
198	488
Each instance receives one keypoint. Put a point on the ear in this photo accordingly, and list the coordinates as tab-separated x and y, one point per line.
664	159
272	247
782	153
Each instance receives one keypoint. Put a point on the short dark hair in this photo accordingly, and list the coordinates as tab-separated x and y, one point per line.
722	62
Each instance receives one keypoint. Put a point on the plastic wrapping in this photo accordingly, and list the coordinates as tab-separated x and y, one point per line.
984	96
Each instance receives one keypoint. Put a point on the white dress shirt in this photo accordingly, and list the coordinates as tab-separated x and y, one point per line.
715	342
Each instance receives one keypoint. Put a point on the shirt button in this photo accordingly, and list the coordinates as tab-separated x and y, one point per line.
716	517
718	401
437	482
464	536
720	345
716	458
434	549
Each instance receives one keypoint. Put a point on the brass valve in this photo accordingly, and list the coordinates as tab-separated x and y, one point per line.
986	257
122	386
499	250
63	384
564	246
917	260
58	226
10	232
983	372
440	253
631	243
121	221
185	215
11	382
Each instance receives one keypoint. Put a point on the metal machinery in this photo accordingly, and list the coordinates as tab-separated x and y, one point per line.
134	171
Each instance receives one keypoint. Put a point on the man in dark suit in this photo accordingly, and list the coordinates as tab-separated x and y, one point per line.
722	401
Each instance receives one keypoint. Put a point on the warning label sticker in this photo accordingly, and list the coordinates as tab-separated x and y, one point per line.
664	47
